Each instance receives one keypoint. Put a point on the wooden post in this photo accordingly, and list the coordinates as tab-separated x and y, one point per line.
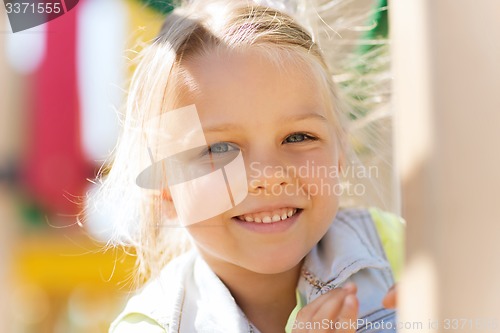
446	65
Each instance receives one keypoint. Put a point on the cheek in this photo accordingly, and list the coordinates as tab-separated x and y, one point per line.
210	235
321	166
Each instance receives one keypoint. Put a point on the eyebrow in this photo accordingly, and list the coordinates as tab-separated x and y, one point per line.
231	126
311	115
221	128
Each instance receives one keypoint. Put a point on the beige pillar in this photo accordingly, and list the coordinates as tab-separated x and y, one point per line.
446	64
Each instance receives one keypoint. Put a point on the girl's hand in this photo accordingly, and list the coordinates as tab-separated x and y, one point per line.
390	299
337	308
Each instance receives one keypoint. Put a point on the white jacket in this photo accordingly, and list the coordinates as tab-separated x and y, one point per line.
188	297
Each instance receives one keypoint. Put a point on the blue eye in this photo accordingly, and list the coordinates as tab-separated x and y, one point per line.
299	137
221	148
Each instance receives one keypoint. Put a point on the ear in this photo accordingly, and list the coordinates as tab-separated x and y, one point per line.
166	195
168	207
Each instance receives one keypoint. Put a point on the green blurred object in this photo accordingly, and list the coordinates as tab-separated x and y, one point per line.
381	29
31	213
161	6
369	63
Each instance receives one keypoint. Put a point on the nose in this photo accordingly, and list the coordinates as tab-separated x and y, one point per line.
268	173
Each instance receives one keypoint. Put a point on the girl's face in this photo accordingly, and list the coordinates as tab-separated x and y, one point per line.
280	122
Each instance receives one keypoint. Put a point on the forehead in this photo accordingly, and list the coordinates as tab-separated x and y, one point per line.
252	80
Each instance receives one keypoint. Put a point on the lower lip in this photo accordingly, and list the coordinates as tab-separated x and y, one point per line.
269	228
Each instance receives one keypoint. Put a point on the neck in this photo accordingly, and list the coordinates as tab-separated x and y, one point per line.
266	299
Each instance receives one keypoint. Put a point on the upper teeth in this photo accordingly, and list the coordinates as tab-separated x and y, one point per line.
269	217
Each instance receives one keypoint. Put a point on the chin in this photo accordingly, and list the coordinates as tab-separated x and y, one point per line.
275	264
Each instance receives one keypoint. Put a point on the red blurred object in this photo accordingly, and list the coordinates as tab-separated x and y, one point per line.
55	167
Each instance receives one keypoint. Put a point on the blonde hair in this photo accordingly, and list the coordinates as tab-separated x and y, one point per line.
140	216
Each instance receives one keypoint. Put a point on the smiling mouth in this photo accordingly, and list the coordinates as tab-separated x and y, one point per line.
269	217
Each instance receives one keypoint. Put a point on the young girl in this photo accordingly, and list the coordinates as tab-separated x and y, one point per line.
233	143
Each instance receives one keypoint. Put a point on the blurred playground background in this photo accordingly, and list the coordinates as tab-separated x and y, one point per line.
61	84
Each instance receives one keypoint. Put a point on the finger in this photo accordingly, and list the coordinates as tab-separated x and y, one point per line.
335	310
313	307
330	308
327	306
350	287
348	316
390	299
